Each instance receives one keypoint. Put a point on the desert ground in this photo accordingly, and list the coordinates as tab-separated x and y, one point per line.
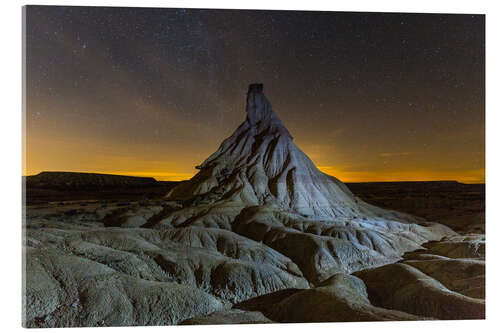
259	235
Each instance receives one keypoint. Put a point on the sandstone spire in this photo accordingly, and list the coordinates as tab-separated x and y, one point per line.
259	164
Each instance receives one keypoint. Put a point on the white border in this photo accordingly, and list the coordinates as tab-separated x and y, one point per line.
11	154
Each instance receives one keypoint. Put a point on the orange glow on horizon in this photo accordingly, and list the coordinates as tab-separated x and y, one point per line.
160	176
467	177
470	177
60	151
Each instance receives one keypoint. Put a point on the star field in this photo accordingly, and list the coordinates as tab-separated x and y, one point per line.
368	96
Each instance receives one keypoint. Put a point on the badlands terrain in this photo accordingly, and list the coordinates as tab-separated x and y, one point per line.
258	235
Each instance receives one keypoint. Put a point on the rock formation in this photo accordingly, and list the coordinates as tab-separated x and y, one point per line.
261	185
259	164
258	235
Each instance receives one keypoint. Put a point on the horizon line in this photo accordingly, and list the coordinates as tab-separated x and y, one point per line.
180	180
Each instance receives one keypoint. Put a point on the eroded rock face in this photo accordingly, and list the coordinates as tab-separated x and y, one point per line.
67	290
410	290
259	164
432	285
259	184
341	298
200	265
258	235
325	247
228	317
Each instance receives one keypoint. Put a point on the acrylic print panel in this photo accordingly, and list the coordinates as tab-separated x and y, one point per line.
239	166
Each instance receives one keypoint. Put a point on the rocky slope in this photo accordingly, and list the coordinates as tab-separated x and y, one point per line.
258	235
259	164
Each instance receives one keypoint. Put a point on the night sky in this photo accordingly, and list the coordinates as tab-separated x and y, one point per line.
153	92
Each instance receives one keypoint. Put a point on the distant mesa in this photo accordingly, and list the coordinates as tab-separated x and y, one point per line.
82	180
